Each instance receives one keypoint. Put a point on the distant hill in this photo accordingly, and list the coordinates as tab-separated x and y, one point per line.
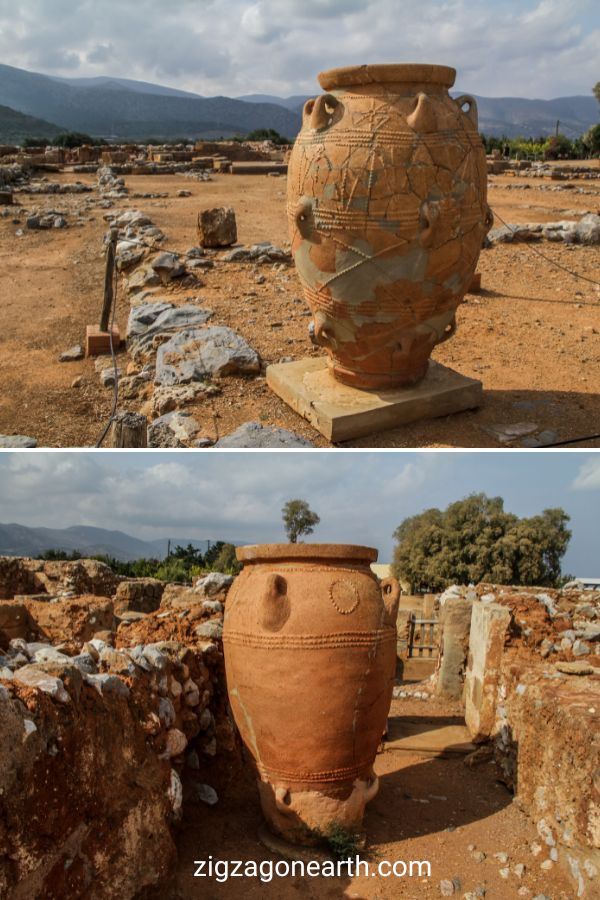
510	116
113	108
122	108
294	103
142	87
514	116
20	540
16	126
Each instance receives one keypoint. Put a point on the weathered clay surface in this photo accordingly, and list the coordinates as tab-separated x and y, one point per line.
79	617
387	212
317	613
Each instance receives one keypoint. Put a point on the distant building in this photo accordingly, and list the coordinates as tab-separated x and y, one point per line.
585	584
382	570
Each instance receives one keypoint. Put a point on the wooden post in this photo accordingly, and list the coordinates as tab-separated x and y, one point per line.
109	279
129	429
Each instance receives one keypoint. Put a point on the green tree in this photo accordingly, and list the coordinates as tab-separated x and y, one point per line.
188	556
212	553
173	569
59	555
298	519
591	140
558	147
226	560
72	139
596	91
474	540
267	134
30	142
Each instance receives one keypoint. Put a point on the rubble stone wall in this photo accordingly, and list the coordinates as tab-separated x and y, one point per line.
103	738
532	688
22	575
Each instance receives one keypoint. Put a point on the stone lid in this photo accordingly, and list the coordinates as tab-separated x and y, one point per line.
259	552
386	73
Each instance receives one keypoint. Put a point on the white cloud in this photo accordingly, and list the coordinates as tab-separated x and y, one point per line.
588	477
361	497
541	48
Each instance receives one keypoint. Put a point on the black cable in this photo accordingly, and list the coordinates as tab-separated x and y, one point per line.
591	437
543	256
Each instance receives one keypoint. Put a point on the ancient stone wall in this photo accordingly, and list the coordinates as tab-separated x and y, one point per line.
532	688
109	725
22	575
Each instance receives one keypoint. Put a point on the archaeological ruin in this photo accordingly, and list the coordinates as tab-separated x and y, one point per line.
121	759
379	216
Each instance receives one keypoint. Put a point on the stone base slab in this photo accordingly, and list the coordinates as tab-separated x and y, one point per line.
341	412
97	342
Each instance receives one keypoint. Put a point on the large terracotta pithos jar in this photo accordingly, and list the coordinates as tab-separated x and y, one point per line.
310	651
387	212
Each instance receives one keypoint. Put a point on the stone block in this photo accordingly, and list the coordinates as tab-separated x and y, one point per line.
14	620
489	624
455	625
217	227
97	342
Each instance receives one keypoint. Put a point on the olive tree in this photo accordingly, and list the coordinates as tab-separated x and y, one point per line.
474	540
298	519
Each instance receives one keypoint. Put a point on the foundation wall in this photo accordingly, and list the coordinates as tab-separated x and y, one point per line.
107	726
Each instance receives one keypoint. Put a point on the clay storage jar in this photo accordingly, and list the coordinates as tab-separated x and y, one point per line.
387	212
310	652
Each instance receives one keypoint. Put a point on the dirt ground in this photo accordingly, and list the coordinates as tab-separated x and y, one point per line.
532	335
427	809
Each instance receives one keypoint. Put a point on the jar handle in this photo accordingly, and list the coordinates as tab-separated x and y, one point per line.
303	217
283	800
428	218
471	112
390	592
320	110
275	603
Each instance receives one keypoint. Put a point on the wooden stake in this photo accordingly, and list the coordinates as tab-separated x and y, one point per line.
129	429
109	279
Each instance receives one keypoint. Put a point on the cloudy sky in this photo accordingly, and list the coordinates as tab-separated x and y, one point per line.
360	497
522	48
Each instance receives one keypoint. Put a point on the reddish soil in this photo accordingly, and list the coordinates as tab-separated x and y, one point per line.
532	335
419	800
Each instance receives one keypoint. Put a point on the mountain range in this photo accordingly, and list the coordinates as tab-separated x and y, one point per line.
16	126
20	540
510	116
121	108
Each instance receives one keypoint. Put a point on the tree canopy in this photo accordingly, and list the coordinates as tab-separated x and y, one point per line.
182	565
298	519
474	540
